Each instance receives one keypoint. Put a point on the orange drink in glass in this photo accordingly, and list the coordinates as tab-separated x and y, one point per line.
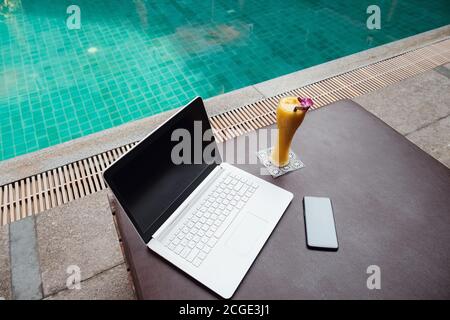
290	114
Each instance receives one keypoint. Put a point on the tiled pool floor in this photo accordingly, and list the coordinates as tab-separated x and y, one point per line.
132	59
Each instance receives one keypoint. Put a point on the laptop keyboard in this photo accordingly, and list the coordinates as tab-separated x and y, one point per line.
203	226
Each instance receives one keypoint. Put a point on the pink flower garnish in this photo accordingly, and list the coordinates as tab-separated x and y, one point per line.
306	103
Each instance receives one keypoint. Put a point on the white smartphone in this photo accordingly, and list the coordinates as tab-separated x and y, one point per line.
319	223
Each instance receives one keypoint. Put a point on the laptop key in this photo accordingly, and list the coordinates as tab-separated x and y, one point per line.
238	186
197	262
200	245
178	249
212	242
185	252
206	249
201	255
243	190
191	244
192	254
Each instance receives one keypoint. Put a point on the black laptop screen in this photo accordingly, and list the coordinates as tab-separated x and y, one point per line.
157	175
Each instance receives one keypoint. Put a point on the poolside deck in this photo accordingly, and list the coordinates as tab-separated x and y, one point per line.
82	233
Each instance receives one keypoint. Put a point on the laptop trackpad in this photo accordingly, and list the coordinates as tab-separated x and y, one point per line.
247	234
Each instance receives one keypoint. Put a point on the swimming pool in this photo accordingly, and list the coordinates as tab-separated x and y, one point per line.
135	58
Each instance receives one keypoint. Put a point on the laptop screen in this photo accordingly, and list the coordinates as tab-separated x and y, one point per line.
160	172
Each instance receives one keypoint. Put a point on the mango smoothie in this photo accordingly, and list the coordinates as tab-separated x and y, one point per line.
290	114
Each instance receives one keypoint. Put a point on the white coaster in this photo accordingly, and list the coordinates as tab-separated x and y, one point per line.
275	171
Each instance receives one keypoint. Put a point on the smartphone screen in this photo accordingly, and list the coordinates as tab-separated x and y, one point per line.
319	221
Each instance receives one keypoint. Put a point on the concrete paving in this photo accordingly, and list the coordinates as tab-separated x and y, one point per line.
435	140
444	70
112	284
25	272
418	108
81	235
411	104
5	265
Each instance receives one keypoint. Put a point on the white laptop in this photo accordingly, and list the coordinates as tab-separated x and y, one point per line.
207	217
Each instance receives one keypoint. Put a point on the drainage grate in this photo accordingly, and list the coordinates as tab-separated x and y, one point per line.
75	180
55	187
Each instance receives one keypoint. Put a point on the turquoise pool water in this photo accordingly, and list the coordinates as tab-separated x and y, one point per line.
132	59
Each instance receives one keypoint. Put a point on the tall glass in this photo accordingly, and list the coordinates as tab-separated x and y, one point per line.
290	114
